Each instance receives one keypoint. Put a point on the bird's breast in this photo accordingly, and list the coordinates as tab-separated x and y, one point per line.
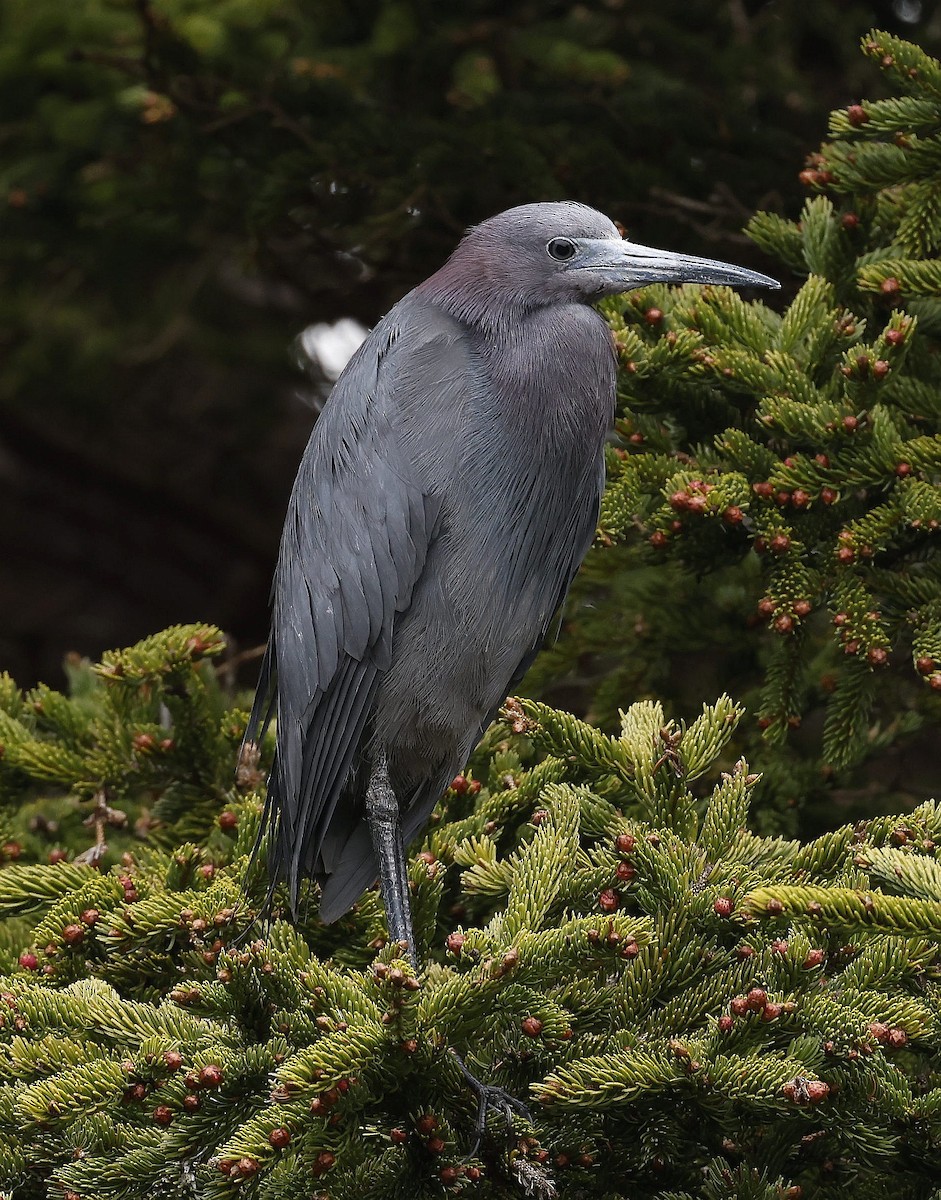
550	390
519	492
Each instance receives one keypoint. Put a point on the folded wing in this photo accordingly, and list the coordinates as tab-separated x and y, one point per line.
355	541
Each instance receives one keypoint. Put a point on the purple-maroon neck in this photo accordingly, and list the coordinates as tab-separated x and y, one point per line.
476	287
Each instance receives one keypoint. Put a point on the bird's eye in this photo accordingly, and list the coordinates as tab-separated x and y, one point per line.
561	249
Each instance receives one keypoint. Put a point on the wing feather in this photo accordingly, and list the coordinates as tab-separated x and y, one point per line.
356	537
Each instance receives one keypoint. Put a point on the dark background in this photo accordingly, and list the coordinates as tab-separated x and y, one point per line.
187	186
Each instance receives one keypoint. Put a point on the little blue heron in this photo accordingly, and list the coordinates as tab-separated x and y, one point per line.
446	498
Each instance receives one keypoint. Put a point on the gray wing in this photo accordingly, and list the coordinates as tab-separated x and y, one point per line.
355	539
356	870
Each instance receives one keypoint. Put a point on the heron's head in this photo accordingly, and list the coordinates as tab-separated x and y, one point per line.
564	252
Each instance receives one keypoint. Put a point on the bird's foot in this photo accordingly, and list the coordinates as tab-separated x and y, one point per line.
490	1099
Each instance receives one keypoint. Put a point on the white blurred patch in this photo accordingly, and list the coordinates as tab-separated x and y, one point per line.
908	11
330	347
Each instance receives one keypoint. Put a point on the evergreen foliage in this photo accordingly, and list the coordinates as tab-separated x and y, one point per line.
781	472
688	1008
691	1004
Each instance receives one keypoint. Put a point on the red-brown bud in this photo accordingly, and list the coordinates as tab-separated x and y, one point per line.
757	998
323	1162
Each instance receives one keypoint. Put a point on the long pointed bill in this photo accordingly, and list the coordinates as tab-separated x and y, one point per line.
625	265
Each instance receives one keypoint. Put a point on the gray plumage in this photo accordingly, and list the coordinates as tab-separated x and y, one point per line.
447	496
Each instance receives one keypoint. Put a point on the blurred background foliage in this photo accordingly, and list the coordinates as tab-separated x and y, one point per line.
186	185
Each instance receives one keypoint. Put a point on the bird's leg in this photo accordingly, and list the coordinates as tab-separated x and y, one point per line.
490	1098
382	812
